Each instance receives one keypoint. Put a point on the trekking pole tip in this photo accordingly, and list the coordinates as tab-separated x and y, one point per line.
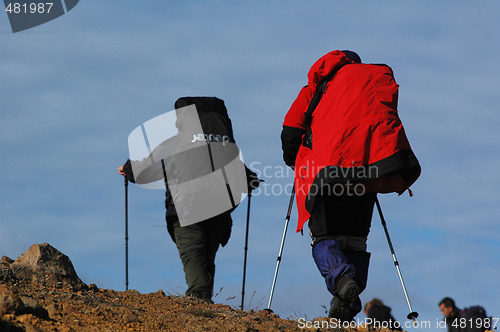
413	315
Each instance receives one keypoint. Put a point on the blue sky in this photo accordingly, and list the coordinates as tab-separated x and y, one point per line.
73	89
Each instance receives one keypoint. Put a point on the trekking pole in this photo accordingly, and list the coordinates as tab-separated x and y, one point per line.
413	314
287	219
126	233
246	250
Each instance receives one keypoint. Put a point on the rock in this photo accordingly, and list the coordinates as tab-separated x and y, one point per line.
32	306
29	323
45	265
69	309
6	261
159	293
53	312
264	312
10	327
130	317
10	303
7	275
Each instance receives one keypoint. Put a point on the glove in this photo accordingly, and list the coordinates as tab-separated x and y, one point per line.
252	180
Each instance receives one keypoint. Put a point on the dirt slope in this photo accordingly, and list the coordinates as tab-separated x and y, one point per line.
40	291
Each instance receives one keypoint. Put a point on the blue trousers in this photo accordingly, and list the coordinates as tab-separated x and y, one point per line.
334	262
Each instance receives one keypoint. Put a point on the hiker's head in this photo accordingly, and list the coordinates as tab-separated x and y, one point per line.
447	305
367	307
352	56
373	303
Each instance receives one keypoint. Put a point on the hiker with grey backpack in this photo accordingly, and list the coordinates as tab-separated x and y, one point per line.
200	195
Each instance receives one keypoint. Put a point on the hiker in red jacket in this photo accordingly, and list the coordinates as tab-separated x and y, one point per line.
343	137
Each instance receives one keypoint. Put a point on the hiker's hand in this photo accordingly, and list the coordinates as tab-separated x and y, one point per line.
121	171
254	182
126	171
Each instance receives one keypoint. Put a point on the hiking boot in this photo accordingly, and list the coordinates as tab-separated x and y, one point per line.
339	310
201	295
347	289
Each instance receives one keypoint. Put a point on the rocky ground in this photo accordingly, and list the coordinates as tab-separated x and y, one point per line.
40	291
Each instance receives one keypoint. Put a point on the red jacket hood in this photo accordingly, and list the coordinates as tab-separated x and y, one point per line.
321	68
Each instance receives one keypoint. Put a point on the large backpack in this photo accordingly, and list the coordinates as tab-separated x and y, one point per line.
198	162
479	313
384	184
476	311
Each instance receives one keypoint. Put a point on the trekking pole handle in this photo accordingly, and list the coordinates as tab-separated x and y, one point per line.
290	204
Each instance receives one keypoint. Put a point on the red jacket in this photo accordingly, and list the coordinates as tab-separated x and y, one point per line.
356	131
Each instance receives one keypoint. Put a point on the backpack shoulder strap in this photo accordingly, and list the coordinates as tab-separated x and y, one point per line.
320	90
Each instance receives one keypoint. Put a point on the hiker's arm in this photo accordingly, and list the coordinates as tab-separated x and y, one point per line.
291	139
293	126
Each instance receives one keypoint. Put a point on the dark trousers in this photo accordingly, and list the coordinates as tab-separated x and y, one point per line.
339	226
198	244
334	215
